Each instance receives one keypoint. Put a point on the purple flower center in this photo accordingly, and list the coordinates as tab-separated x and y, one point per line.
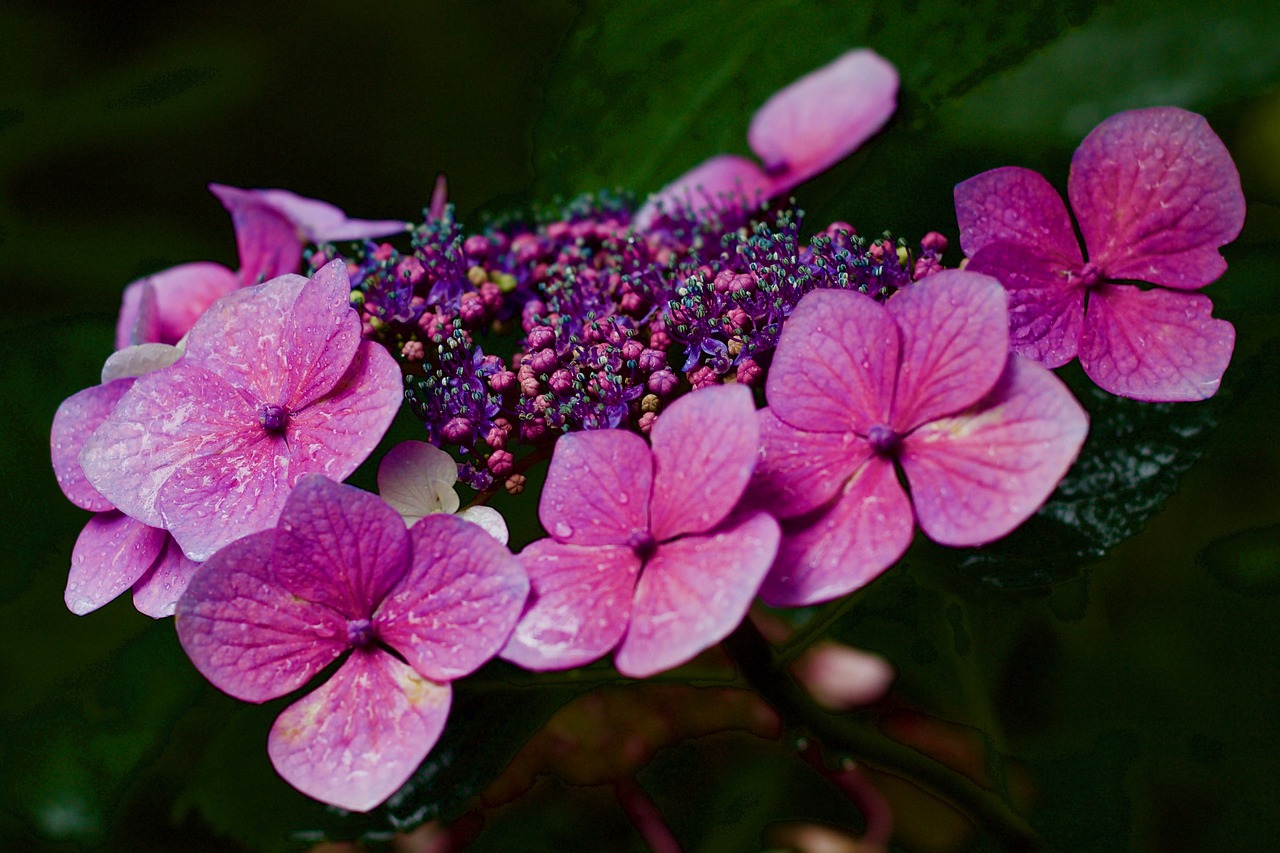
883	439
272	418
1090	275
641	541
359	632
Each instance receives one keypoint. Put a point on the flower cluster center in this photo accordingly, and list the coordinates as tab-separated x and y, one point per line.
272	418
883	439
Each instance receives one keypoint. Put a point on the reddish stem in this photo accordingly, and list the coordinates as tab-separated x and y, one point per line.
645	817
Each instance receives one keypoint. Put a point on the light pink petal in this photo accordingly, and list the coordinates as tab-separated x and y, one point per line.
1156	193
181	294
139	320
579	605
597	490
247	633
846	547
694	591
357	738
976	476
269	242
112	552
439	198
1155	345
156	593
459	601
1019	206
321	222
955	342
340	546
823	117
73	423
1046	300
723	182
704	449
836	364
137	359
166	419
800	471
487	519
417	479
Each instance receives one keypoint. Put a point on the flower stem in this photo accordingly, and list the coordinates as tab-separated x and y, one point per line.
644	816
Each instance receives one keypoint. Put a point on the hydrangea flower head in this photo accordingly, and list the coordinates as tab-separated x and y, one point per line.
417	608
275	383
926	382
644	554
1155	194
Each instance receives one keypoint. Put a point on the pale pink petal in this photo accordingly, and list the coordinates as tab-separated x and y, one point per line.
976	476
320	335
597	490
487	519
439	198
137	359
417	479
723	182
1156	193
180	294
321	222
112	552
73	423
340	546
836	364
139	320
269	242
704	449
1019	206
694	591
459	601
840	677
800	471
246	632
356	739
955	342
579	605
1046	300
1155	345
820	119
156	593
846	547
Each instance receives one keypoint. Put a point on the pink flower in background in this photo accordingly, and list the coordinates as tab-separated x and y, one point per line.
340	572
802	130
644	555
925	381
417	479
1156	194
275	384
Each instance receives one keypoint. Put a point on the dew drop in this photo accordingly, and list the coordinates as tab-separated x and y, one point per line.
562	530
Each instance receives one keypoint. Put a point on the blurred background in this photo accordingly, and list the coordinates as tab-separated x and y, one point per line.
1135	698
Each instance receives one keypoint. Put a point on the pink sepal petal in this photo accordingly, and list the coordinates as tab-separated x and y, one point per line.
1019	206
976	476
955	342
800	471
357	738
836	364
417	479
846	547
321	222
1156	193
246	632
694	591
139	319
579	604
138	359
156	593
1156	345
111	553
1046	300
73	423
458	603
724	181
704	449
439	198
597	490
818	120
268	241
180	295
339	546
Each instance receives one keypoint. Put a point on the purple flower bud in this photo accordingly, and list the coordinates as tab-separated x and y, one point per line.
646	421
632	349
476	247
750	373
456	430
631	303
663	382
472	309
926	266
498	435
934	242
529	387
515	484
411	270
702	377
272	418
501	462
540	337
541	361
561	382
533	429
502	381
651	360
413	351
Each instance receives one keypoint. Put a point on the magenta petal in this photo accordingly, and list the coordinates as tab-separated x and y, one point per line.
181	294
976	476
1016	205
321	222
1155	345
1156	193
156	593
694	591
357	738
73	423
725	181
247	633
1046	300
835	552
836	364
955	342
139	320
268	241
459	601
704	449
112	552
580	603
820	119
597	490
800	471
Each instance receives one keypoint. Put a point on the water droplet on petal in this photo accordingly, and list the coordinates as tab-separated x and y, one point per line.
562	530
